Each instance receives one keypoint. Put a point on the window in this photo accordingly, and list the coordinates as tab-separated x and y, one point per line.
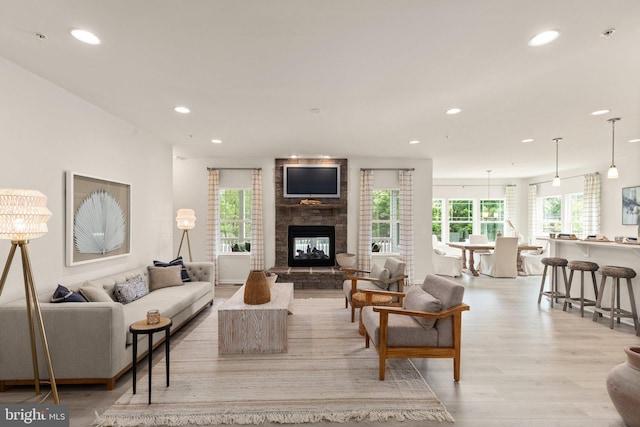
436	218
235	221
551	214
491	218
460	219
385	224
575	206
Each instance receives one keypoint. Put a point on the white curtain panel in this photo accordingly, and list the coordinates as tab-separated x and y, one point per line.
533	211
364	220
257	229
510	208
406	222
591	203
213	221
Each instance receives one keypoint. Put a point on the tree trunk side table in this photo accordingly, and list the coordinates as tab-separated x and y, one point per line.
142	327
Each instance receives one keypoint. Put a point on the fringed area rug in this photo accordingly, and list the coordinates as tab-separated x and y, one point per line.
326	375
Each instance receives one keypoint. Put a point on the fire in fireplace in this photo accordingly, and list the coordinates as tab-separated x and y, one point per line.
312	246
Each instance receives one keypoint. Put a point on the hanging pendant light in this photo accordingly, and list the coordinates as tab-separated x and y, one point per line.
485	214
556	179
613	170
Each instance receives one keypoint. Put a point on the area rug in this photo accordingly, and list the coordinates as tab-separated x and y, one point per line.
327	375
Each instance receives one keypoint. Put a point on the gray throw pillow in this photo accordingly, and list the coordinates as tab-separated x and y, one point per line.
380	273
164	277
439	252
418	299
131	290
94	292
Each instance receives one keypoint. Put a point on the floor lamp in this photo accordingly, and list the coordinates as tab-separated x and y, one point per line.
186	220
24	216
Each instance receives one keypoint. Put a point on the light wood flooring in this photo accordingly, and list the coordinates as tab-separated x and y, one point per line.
522	364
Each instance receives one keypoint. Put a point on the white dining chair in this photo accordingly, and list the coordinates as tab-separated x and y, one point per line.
503	262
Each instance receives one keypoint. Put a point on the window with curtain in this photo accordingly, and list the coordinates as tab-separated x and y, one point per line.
491	218
460	219
235	220
550	214
436	218
385	223
562	214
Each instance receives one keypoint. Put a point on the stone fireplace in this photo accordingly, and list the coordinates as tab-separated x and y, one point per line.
330	212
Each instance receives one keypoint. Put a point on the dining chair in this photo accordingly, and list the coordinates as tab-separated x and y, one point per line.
503	262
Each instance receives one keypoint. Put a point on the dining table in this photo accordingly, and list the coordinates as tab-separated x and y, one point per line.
468	262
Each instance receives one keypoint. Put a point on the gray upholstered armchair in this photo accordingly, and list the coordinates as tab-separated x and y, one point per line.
388	278
429	324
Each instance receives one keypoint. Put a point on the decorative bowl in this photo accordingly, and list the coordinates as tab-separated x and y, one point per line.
346	260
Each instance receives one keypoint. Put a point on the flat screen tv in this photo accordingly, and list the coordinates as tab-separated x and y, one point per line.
312	181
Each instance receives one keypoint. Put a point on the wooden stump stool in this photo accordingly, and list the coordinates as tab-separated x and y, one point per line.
614	311
358	301
555	264
581	266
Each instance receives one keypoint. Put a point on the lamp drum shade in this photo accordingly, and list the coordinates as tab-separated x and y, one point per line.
23	214
186	219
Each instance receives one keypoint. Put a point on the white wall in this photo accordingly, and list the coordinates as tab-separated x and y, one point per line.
45	131
190	184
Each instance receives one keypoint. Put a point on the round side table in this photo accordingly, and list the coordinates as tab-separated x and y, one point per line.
142	327
358	300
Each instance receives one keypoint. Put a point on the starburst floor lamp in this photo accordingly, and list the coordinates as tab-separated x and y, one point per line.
186	219
24	216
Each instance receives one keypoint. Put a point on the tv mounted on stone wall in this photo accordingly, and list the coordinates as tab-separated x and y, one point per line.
312	180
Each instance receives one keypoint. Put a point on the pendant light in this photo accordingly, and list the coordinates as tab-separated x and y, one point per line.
613	171
485	214
556	179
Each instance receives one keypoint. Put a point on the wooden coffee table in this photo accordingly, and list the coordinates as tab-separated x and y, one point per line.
261	328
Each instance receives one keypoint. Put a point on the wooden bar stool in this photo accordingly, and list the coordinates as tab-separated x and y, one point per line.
581	266
614	311
555	263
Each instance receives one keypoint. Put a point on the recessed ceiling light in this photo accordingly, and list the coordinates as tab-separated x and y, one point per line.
453	110
527	140
182	110
599	112
544	38
635	140
293	156
85	36
415	141
216	141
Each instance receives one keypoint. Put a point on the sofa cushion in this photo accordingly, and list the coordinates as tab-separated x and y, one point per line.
380	273
164	277
94	293
403	331
63	294
178	261
130	290
417	299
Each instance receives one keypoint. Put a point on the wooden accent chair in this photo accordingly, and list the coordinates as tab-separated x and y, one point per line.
388	278
429	324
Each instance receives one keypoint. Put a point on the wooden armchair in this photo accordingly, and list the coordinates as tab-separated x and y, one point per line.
407	332
391	277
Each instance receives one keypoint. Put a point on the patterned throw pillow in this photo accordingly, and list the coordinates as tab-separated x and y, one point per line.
63	294
131	290
418	299
177	261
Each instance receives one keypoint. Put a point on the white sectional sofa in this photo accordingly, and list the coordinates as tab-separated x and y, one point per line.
90	342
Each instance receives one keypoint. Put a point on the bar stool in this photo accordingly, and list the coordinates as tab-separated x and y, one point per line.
555	263
614	311
581	266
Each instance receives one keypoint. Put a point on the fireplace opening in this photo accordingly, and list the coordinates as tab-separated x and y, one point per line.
312	246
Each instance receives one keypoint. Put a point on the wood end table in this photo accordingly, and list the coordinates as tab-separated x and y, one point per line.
142	327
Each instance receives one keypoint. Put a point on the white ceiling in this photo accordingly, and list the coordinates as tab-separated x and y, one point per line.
350	77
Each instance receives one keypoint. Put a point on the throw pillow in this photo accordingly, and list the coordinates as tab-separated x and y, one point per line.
178	261
418	299
131	290
63	294
439	252
380	273
163	277
94	293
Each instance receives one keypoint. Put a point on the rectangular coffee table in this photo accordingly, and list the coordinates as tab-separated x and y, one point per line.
262	328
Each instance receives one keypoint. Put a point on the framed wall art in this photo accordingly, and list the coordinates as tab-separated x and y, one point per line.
98	219
631	205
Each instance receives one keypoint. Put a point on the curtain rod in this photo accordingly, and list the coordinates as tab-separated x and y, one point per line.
234	169
568	177
473	185
387	169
